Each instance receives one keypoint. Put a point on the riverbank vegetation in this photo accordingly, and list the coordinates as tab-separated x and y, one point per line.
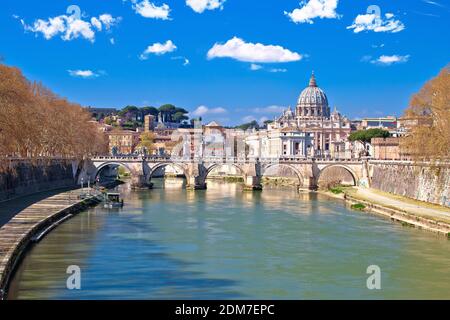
237	179
279	181
358	206
336	190
37	123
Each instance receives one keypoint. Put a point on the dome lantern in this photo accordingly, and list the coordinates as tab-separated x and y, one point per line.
312	80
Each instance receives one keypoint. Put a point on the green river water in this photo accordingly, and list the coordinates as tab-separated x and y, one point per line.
224	243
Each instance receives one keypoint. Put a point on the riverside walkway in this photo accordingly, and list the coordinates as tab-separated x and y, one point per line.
422	215
32	223
421	209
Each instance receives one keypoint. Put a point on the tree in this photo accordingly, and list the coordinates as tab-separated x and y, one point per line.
108	121
250	125
365	136
168	108
149	110
181	110
267	122
131	125
146	140
35	122
130	113
429	138
173	113
128	109
179	117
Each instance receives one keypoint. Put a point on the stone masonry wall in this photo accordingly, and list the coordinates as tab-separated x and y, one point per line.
24	177
420	182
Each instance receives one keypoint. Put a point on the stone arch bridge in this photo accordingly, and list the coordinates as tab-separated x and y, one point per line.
308	171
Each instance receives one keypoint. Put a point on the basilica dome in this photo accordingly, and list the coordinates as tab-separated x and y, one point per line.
313	102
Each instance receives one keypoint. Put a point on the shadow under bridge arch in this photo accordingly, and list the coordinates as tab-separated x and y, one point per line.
276	171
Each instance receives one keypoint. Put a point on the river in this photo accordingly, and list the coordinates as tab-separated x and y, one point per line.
223	243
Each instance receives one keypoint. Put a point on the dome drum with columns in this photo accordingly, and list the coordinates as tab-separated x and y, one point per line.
313	102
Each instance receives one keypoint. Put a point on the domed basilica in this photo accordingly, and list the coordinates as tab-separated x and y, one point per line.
311	131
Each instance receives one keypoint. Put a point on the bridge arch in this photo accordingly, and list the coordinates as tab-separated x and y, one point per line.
338	176
295	170
112	163
218	165
166	164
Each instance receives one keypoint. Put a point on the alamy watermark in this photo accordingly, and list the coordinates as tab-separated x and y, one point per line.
73	282
374	280
74	11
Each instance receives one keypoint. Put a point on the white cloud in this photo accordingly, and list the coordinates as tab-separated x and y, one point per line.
108	20
158	49
371	22
83	74
149	10
96	23
70	27
49	28
314	9
203	110
238	49
77	28
201	5
270	109
255	67
113	41
388	60
434	3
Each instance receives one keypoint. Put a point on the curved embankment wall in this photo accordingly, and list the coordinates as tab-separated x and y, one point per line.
429	183
19	177
33	223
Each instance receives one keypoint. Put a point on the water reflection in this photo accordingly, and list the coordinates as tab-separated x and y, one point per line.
223	243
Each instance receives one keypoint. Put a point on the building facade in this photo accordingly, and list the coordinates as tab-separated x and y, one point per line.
123	141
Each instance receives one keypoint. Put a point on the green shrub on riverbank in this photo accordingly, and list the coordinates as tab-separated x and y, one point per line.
227	178
123	173
358	206
336	190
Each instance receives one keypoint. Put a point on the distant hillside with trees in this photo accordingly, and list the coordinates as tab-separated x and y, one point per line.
133	116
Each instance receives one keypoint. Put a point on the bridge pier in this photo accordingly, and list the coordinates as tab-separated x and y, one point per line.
252	183
195	183
309	184
140	181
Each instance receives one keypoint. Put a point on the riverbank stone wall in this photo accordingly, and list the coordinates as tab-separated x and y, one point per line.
429	183
23	177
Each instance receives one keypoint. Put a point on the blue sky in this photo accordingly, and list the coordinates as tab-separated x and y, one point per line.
229	60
